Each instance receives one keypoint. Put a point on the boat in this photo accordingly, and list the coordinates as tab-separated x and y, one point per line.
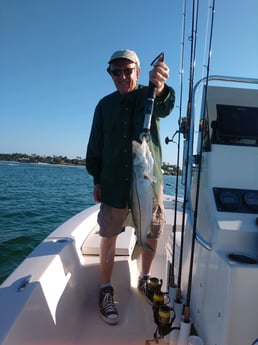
206	267
51	298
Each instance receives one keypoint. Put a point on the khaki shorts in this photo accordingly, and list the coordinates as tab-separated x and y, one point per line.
111	220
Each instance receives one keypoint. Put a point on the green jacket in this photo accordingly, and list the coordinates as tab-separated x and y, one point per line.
118	119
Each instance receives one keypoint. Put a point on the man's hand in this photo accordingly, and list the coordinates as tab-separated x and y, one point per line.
97	193
158	76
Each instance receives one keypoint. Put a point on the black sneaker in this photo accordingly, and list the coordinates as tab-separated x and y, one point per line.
108	311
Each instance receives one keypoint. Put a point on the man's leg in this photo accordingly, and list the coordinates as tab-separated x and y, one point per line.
148	256
107	254
111	224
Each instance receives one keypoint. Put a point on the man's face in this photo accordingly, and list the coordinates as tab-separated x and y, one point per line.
124	74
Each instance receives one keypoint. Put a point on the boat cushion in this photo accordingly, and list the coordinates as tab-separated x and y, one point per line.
124	244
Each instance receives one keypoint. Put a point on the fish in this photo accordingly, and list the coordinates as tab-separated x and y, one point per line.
141	194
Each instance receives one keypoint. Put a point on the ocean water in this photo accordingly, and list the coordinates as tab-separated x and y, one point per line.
35	199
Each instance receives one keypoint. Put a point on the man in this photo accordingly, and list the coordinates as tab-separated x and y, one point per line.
118	119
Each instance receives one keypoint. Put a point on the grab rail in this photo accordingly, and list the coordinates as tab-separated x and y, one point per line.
201	240
207	245
221	78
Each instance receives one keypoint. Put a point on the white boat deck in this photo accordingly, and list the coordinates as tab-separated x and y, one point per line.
59	305
136	316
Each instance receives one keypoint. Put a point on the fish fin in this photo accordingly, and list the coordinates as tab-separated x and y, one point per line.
148	247
150	177
136	252
129	221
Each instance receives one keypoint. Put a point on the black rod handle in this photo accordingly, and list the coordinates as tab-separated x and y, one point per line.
151	95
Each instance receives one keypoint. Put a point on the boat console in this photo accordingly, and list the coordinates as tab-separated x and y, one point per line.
223	196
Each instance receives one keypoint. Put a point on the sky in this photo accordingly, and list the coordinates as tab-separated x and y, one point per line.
54	57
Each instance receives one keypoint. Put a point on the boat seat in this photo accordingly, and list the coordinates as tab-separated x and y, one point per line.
124	245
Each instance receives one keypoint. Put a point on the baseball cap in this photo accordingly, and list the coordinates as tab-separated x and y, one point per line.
125	54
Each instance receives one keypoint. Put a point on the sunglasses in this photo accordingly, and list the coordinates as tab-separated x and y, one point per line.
117	72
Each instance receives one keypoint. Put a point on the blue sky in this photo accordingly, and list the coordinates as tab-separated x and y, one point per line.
54	56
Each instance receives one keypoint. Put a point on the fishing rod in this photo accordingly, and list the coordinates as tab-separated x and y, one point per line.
185	129
167	140
149	106
202	130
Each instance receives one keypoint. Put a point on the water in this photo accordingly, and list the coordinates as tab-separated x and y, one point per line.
35	199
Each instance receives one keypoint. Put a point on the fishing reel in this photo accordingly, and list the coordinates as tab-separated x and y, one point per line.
153	286
183	129
160	308
162	314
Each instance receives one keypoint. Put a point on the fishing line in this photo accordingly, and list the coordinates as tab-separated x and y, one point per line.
186	131
202	129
